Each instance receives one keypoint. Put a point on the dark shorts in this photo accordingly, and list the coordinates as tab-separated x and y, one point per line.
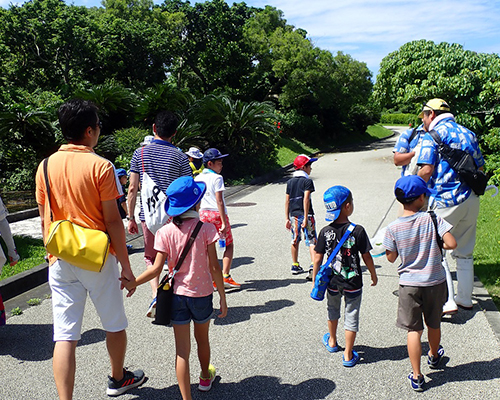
415	301
185	309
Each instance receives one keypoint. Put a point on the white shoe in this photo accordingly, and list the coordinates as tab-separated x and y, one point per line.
450	308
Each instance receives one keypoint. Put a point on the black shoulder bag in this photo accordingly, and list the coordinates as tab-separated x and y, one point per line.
165	293
463	164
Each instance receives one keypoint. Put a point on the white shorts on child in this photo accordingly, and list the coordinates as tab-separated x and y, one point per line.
70	285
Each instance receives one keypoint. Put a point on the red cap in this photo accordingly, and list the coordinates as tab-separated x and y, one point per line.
302	160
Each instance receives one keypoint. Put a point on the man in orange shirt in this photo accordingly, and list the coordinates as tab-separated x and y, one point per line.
84	188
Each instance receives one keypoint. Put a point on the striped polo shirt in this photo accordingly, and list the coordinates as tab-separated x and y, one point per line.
414	238
163	162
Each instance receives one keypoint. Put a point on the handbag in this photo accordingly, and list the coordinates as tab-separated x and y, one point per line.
153	201
82	247
165	292
463	164
324	274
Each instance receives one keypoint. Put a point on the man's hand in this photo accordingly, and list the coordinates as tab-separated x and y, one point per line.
127	280
132	227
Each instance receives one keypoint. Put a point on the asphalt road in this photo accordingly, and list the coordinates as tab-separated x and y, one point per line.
269	346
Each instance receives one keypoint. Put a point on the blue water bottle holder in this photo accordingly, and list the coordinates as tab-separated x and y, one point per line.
325	272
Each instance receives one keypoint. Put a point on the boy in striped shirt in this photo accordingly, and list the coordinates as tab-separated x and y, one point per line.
417	240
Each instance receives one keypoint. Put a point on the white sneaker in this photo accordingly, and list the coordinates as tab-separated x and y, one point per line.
152	309
450	308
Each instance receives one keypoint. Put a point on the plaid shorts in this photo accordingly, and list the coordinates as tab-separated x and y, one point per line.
214	218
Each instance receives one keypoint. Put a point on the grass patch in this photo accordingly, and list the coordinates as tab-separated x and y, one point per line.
373	132
290	148
32	254
487	250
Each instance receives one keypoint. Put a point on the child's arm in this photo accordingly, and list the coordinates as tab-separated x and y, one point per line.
219	197
124	206
147	275
307	203
288	224
318	259
367	258
449	242
391	255
216	273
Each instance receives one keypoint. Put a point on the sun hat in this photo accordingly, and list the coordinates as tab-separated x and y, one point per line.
334	198
436	105
183	194
410	187
147	140
121	172
194	152
212	155
301	160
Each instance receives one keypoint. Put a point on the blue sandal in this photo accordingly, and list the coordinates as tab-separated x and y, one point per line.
353	361
326	338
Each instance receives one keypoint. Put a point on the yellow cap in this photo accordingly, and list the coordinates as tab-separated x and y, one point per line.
434	104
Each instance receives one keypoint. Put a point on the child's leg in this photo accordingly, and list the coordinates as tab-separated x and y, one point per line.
227	259
351	322
350	337
203	343
333	299
332	329
295	253
311	236
434	337
182	350
415	351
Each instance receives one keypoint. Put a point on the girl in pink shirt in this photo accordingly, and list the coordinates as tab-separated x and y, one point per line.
193	287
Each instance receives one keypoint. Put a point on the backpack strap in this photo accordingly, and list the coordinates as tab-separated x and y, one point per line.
436	137
438	238
412	136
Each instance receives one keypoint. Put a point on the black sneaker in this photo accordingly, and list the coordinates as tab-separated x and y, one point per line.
434	361
417	384
296	269
130	380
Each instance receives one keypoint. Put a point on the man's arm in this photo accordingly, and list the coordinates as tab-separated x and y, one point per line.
133	189
426	171
114	228
401	159
42	219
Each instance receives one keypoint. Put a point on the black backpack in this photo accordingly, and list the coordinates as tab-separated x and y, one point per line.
463	164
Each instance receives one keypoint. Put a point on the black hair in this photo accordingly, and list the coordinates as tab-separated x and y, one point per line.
177	221
166	123
400	196
75	116
436	112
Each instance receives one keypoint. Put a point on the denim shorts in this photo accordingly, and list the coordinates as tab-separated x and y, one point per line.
185	309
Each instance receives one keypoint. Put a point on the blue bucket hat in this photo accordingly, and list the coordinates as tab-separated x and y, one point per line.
410	187
121	172
333	199
183	194
212	154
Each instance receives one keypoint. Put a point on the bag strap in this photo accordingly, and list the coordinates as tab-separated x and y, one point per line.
142	159
412	136
436	137
183	255
340	243
438	238
47	186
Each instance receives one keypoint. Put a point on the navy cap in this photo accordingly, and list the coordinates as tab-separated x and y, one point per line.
410	187
183	194
333	199
121	172
212	154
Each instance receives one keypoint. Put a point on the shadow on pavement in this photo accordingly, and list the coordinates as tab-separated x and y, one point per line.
257	388
239	261
244	313
473	371
269	284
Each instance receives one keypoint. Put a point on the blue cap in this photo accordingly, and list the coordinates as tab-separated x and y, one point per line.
183	194
212	154
121	172
411	186
333	199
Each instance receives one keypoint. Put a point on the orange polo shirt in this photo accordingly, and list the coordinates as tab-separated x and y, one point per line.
79	181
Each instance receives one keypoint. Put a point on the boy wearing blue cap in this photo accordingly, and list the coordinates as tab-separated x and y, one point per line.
347	280
213	209
418	238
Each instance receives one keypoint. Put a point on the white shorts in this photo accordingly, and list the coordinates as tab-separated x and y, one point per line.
70	285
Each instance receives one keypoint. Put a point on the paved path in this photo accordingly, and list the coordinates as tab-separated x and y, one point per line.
269	346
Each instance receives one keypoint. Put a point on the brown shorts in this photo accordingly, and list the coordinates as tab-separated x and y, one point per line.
417	300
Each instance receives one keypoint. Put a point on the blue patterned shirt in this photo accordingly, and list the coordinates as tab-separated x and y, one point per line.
451	191
403	145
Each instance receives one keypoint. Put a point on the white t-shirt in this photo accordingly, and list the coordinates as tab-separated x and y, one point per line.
215	183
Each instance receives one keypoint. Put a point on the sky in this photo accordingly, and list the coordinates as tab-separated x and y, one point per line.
369	30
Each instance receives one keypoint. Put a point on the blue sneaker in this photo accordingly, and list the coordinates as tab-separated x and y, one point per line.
352	362
434	361
297	269
326	338
416	384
